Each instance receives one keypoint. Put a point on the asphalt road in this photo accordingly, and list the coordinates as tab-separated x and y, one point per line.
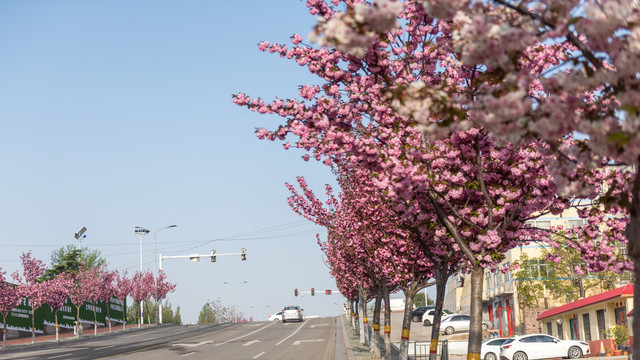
313	339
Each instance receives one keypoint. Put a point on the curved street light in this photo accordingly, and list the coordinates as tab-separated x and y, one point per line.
155	256
235	299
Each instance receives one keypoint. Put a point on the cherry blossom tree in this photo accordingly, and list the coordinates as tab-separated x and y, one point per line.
56	291
121	289
142	289
85	286
9	299
107	290
30	287
163	288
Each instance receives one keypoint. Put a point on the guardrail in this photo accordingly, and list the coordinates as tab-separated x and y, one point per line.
447	349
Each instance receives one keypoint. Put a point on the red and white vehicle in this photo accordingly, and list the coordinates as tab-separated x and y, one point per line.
292	312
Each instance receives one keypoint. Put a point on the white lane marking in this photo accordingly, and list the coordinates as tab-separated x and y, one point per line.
191	353
312	326
250	342
257	356
254	325
53	357
104	347
298	342
245	335
293	333
192	345
151	338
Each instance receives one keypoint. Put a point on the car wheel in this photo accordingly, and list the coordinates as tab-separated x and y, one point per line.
575	352
416	319
520	356
277	319
490	356
284	321
449	330
485	327
426	323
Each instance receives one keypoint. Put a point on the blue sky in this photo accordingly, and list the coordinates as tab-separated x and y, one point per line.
118	114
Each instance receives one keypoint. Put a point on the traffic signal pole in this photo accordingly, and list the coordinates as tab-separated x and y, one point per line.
195	258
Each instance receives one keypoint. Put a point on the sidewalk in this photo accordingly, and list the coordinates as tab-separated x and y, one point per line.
50	339
362	351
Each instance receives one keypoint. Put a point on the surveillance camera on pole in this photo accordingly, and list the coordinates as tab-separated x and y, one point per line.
213	256
244	253
80	235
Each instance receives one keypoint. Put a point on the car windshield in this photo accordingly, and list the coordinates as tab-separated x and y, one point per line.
291	308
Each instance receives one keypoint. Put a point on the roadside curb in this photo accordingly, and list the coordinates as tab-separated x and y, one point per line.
49	343
345	340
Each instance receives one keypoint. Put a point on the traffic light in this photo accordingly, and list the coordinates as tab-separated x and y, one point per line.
213	256
327	292
313	292
244	253
295	292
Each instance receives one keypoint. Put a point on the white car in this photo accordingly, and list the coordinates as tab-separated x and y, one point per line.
542	346
458	322
427	317
292	312
491	348
276	317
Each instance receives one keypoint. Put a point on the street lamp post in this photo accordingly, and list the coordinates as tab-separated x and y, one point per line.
155	256
235	299
140	231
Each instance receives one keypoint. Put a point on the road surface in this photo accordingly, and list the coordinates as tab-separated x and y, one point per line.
312	339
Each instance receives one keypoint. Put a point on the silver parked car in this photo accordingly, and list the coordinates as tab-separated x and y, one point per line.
292	312
458	322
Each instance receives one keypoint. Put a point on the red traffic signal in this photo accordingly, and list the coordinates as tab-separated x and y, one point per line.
295	292
313	292
327	292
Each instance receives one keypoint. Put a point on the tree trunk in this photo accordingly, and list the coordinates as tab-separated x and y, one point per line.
55	314
124	315
4	331
109	314
33	325
95	320
633	245
364	331
356	320
387	324
406	323
475	327
441	275
375	337
77	321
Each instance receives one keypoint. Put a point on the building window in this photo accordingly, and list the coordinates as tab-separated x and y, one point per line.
507	275
539	269
543	224
549	329
578	222
496	278
560	332
586	324
487	278
601	329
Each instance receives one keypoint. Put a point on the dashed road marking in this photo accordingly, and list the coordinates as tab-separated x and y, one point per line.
298	342
257	356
